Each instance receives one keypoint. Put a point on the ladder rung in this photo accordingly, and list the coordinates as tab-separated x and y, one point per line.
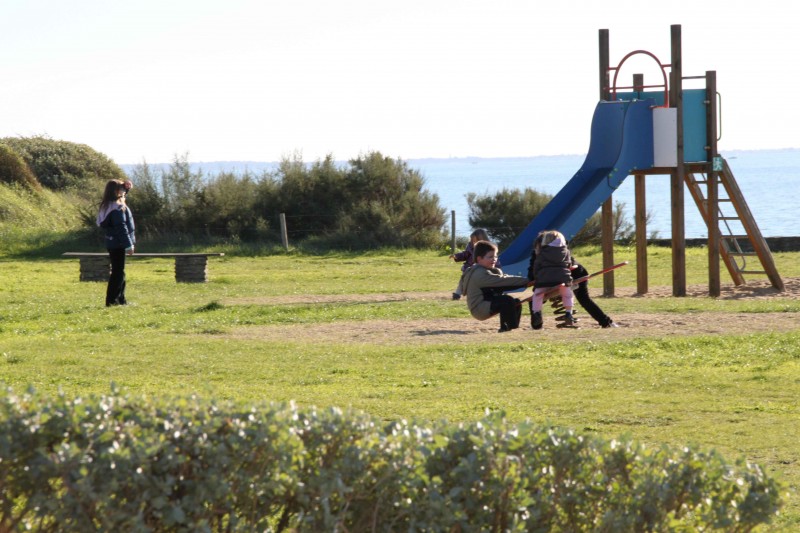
728	218
734	236
752	272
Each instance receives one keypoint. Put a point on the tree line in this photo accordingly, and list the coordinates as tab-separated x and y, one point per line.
370	201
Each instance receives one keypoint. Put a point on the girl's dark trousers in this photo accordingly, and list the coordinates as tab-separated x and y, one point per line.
115	293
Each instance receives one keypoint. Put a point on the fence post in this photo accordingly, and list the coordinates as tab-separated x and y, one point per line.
453	231
284	233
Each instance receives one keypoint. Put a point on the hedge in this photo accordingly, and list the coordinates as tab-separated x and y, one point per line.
119	463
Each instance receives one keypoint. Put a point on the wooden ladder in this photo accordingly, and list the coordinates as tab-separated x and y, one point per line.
745	227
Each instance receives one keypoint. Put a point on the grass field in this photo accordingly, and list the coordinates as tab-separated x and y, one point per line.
738	392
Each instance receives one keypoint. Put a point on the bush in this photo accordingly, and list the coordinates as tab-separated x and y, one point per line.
60	165
374	201
14	170
116	464
226	207
506	213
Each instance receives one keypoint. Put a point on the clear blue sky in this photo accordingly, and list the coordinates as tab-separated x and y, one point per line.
261	79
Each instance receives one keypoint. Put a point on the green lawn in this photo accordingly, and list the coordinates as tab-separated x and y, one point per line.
739	394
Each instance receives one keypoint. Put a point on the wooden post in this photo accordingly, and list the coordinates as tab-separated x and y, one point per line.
712	197
284	232
640	215
607	234
607	211
679	174
453	231
604	64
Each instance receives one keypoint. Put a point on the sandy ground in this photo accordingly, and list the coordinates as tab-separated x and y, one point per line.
460	330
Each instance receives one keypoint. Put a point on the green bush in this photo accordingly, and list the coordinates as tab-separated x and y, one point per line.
60	165
506	213
14	170
117	464
375	201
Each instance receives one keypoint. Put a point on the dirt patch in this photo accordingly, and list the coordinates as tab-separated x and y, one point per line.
461	330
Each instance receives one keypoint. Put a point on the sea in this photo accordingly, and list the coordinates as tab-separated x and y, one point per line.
768	179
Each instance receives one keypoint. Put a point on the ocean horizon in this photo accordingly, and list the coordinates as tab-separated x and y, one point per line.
765	177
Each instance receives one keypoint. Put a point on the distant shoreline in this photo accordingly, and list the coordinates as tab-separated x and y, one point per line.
776	244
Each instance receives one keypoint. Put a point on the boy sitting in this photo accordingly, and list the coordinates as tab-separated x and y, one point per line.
485	285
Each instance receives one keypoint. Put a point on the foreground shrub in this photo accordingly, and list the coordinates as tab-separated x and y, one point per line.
119	464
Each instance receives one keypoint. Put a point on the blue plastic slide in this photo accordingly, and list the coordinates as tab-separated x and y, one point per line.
621	142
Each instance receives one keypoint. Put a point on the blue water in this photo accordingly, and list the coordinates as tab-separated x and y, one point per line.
768	179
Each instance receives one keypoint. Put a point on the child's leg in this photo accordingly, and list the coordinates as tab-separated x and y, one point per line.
582	295
537	301
567	298
459	288
509	309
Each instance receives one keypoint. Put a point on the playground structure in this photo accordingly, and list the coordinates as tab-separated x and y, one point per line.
639	131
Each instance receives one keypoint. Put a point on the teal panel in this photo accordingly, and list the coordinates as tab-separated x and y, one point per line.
627	96
694	125
657	96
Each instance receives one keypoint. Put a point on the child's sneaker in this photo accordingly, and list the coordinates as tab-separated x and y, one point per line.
536	320
456	296
563	316
568	322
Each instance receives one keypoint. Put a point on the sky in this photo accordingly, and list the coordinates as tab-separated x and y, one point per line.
261	80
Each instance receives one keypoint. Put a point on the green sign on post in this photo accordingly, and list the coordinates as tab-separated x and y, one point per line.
717	164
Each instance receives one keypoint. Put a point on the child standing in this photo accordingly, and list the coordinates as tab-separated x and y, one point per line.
552	268
485	285
466	256
116	218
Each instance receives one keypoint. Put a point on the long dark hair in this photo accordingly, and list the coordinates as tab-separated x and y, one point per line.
111	193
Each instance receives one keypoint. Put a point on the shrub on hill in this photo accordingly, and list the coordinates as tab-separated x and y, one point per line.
60	165
13	169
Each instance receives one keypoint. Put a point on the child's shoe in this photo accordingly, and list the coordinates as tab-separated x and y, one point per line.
568	322
456	296
563	316
536	320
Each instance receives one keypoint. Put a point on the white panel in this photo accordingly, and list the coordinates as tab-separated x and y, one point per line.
665	137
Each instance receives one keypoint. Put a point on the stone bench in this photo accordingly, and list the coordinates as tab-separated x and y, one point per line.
189	267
